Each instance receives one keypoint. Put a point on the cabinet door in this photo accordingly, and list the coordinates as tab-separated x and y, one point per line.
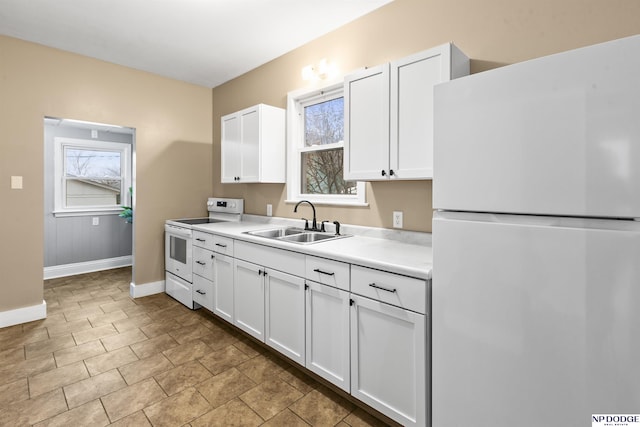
366	124
250	143
411	141
284	314
248	294
231	148
223	287
388	360
327	327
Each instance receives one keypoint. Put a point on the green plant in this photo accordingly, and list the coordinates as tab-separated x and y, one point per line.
127	211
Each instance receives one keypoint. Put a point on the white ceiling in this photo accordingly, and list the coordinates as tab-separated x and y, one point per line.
206	42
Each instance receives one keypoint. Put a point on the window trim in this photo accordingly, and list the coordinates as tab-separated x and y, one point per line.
296	101
60	143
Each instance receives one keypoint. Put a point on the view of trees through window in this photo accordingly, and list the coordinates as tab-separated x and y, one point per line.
321	161
92	177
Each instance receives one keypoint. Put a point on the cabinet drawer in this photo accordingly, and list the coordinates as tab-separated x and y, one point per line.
203	240
203	292
278	259
327	272
223	245
203	262
401	291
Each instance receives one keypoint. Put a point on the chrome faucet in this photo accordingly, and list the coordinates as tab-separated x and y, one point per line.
314	224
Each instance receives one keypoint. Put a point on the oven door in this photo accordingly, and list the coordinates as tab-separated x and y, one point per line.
178	252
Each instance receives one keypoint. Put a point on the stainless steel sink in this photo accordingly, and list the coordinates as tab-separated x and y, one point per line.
295	235
275	233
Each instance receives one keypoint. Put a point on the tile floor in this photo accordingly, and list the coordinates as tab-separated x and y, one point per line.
101	358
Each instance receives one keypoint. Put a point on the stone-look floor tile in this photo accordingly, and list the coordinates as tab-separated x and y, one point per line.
361	418
145	368
11	356
322	407
189	333
25	368
182	377
108	361
298	379
187	352
271	397
105	319
286	418
223	359
68	327
234	413
123	339
94	334
82	313
131	399
48	346
32	411
56	378
14	392
154	345
139	310
16	338
90	414
159	327
117	305
90	302
93	388
260	368
138	419
169	313
70	355
225	386
188	318
132	322
218	338
248	347
177	409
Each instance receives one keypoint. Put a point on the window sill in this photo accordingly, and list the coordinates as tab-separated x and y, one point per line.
88	212
346	203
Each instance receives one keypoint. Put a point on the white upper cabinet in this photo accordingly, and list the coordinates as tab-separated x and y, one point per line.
253	145
389	115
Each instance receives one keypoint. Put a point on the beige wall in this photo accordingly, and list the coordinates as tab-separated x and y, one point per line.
491	32
173	152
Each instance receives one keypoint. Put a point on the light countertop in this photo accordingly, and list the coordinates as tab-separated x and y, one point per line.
411	257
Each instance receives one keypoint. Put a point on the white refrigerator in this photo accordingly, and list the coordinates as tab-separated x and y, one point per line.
536	241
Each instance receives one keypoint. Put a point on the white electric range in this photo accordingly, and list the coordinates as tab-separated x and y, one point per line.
178	245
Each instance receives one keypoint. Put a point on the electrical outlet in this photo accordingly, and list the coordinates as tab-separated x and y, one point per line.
269	209
95	220
397	219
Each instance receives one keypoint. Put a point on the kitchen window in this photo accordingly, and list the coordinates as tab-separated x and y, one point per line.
91	176
315	138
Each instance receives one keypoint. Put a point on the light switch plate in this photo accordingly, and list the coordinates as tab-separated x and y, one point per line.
16	183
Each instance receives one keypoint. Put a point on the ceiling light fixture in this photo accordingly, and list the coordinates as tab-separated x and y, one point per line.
321	71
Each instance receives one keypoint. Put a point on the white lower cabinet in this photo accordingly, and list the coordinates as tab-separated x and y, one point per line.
203	292
388	360
327	331
248	294
223	287
284	314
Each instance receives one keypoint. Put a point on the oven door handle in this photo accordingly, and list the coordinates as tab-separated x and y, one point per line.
177	231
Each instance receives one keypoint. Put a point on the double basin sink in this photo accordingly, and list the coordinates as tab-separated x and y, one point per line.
295	235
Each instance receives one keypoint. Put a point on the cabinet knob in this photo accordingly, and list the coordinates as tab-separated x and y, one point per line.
391	173
384	173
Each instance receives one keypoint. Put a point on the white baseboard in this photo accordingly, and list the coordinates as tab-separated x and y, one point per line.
86	267
23	315
145	289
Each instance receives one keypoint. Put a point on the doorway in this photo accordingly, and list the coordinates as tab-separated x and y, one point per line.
89	174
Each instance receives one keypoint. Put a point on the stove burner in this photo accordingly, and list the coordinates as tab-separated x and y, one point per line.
194	221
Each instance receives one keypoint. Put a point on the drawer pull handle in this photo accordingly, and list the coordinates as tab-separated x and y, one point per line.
317	270
200	292
373	285
200	240
200	262
221	245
